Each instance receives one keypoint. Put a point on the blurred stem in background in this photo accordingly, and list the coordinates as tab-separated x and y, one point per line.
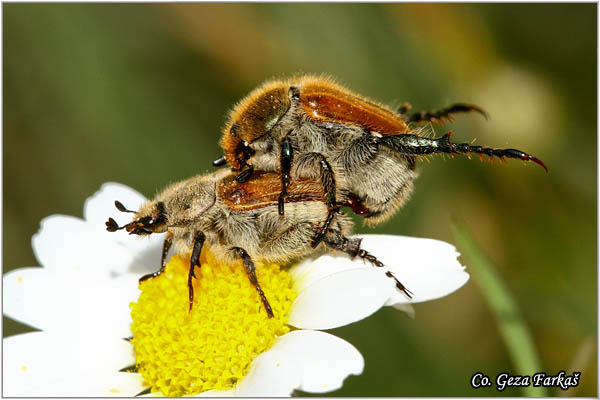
511	323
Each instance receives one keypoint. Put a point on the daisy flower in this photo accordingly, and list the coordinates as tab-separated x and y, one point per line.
103	334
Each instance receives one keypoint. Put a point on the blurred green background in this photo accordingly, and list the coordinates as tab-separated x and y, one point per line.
138	94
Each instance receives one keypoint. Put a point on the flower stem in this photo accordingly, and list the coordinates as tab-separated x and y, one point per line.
511	323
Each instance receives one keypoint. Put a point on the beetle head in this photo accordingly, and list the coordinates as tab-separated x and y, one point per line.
251	119
151	218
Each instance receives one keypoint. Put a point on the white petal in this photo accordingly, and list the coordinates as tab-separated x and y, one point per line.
70	302
43	358
428	268
66	243
111	384
311	361
340	299
407	308
312	269
272	374
335	290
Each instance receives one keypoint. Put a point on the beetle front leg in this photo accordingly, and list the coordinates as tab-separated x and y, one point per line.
163	261
245	174
286	157
199	238
329	188
219	162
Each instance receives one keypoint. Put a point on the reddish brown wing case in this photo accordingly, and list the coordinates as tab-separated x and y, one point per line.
322	101
263	190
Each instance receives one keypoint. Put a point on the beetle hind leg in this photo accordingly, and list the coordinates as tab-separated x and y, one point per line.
415	145
445	114
329	189
351	246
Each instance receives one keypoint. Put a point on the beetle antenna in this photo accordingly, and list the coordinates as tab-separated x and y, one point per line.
122	208
112	226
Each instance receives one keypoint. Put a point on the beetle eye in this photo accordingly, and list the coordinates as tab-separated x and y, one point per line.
144	221
161	216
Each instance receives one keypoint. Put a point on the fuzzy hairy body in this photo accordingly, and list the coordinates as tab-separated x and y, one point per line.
232	215
241	222
321	118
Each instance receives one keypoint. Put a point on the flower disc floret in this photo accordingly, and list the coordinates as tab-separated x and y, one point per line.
179	352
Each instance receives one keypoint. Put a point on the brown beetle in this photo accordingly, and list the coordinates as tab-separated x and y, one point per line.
224	214
311	126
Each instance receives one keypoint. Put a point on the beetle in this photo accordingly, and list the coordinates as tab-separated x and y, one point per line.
311	126
240	221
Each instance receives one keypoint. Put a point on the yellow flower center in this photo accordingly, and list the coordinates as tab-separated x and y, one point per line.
184	353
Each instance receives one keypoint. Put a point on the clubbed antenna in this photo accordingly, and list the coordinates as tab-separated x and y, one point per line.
142	225
121	207
112	226
137	227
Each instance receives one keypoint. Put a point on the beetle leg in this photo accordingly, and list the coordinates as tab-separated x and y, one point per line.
323	231
328	181
245	174
163	261
219	162
351	246
287	155
440	115
195	261
414	145
404	108
251	271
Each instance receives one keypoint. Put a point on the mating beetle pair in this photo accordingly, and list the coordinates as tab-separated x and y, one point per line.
300	149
